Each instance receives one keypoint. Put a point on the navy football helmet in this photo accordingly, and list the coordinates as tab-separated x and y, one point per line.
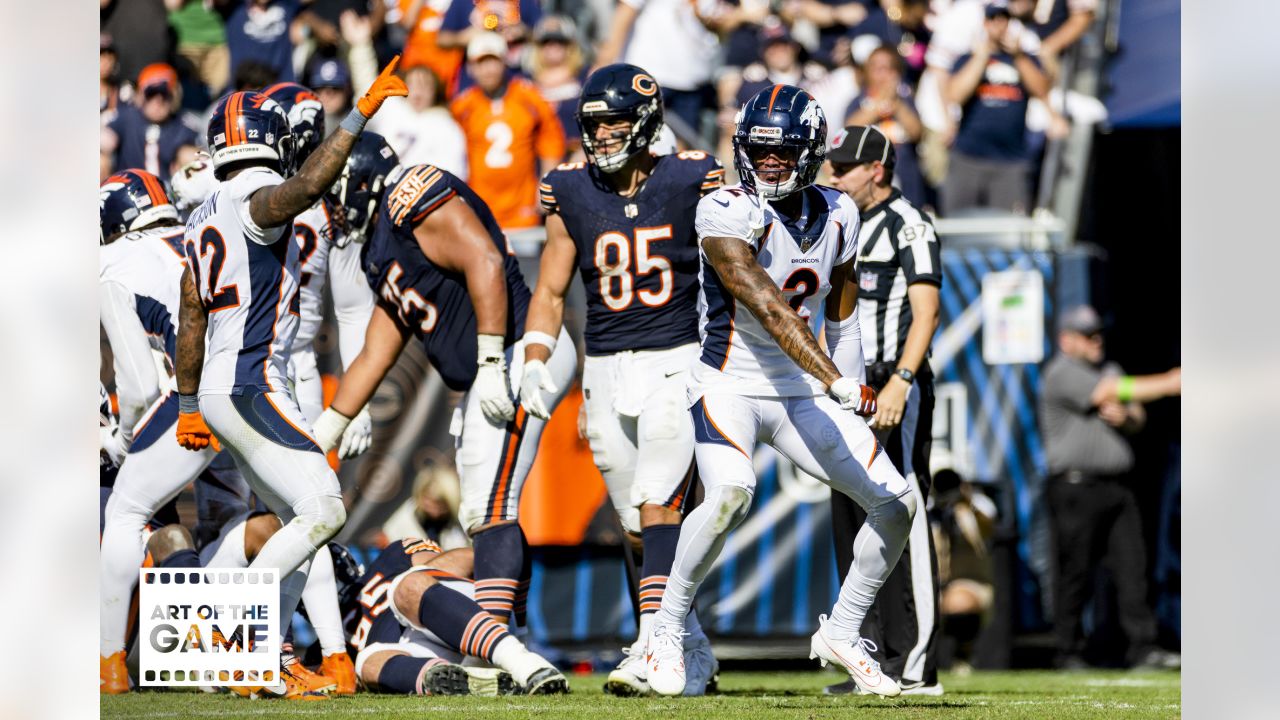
306	118
249	126
348	575
782	120
131	200
614	93
363	180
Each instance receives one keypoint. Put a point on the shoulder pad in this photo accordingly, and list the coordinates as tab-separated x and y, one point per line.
731	212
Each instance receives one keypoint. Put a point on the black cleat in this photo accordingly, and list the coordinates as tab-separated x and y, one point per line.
547	681
446	679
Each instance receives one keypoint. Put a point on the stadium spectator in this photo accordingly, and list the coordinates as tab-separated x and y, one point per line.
331	82
1087	406
837	21
671	41
150	133
886	102
431	512
909	34
992	85
556	66
109	89
421	130
513	135
1059	24
962	519
956	31
253	75
325	18
263	30
467	19
202	40
422	20
140	30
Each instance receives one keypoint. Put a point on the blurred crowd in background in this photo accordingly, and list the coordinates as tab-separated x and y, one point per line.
966	89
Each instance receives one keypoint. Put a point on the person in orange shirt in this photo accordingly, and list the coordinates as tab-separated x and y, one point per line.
423	18
513	135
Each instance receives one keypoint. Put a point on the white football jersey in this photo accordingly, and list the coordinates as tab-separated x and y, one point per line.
325	263
149	264
738	354
248	280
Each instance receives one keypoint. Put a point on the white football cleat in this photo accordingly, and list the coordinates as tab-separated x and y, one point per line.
629	679
664	659
852	655
702	670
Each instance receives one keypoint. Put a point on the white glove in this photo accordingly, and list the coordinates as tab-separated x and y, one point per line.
536	387
490	385
329	429
112	446
358	436
852	395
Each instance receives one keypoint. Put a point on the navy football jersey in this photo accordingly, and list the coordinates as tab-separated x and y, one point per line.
638	256
377	624
431	301
150	146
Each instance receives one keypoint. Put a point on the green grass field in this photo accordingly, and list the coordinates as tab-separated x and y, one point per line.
743	696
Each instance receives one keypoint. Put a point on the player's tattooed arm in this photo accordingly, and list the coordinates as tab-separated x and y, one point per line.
278	204
736	265
192	322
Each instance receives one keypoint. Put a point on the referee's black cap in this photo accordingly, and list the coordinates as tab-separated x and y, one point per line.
858	144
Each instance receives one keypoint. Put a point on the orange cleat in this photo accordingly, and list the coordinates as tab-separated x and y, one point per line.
299	683
113	675
339	667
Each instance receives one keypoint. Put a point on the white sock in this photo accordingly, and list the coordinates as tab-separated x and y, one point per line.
876	550
702	537
291	588
321	600
646	624
121	555
511	655
286	550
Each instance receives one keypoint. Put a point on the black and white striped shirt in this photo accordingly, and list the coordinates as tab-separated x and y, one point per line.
897	247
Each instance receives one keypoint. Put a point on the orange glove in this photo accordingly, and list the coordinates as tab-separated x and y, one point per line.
866	406
194	434
387	85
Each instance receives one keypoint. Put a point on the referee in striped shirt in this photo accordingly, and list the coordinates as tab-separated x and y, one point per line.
899	274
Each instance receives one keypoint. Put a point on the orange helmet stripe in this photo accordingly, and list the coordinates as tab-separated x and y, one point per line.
774	96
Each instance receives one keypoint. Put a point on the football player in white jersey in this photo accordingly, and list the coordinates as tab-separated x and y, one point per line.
240	303
140	267
783	249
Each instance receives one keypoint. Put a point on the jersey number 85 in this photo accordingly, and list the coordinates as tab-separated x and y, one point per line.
645	263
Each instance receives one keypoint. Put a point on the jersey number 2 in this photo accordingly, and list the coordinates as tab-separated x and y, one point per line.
804	283
219	298
620	269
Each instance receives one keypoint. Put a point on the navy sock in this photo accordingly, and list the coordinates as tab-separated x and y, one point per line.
402	674
521	607
499	563
459	621
659	543
182	559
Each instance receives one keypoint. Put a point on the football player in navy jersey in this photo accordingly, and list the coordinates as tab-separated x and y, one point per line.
442	271
624	221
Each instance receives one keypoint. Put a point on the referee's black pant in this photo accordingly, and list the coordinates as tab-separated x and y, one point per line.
903	620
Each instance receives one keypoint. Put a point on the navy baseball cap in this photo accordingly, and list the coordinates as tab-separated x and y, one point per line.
996	8
329	74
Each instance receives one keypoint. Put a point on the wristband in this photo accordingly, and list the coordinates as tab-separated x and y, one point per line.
490	349
354	122
1124	388
188	403
533	337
